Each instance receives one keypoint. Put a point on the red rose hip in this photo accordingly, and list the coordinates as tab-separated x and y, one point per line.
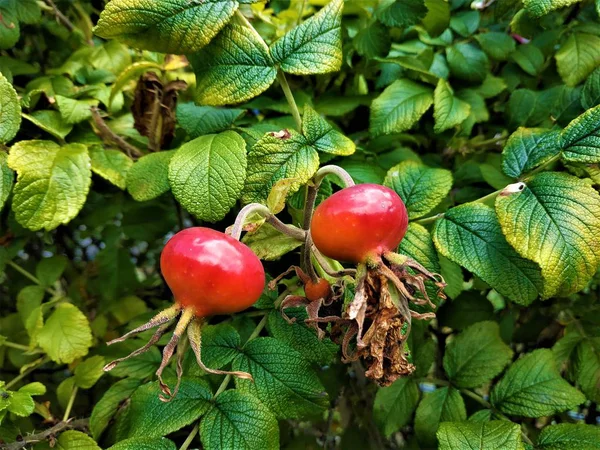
211	272
359	223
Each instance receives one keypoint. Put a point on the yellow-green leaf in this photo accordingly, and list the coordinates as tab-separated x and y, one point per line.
112	165
10	111
578	57
448	110
581	138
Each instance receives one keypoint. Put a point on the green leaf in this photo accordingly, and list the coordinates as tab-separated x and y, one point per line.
233	68
283	380
470	235
10	29
239	421
581	138
21	404
442	405
300	337
27	11
497	45
220	344
437	18
112	165
421	188
314	46
176	26
269	244
555	221
476	355
465	23
275	158
112	56
66	335
528	148
130	72
52	182
448	110
569	436
6	179
144	443
89	372
578	57
467	62
35	388
148	177
494	177
372	41
491	87
207	174
453	277
74	111
51	122
29	302
75	440
529	58
150	417
532	387
395	405
468	308
399	107
496	434
537	8
322	136
401	13
201	120
49	270
586	367
590	95
107	406
10	111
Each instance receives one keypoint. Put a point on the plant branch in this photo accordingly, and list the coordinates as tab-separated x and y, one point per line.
39	362
64	20
70	404
79	424
106	134
290	99
30	276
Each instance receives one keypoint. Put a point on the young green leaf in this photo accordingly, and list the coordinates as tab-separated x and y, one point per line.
399	107
207	174
465	23
88	372
75	440
529	58
150	417
6	179
448	110
581	138
10	112
578	57
52	182
314	46
395	405
569	436
528	148
51	122
372	41
497	45
239	421
437	18
283	380
442	405
112	165
276	157
107	406
532	387
467	62
201	120
74	111
322	136
480	435
236	66
555	221
400	13
66	335
470	235
49	270
144	443
421	188
269	244
149	176
476	355
176	26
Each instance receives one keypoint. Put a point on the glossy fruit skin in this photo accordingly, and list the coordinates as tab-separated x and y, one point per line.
316	291
211	272
359	223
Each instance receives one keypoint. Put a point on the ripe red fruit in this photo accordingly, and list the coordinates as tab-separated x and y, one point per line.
359	223
211	272
319	290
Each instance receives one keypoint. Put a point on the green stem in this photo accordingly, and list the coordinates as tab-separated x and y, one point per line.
542	167
191	436
258	329
28	275
478	398
34	366
435	381
488	197
70	404
14	345
290	99
429	219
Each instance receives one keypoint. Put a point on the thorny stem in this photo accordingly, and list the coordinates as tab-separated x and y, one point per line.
109	135
289	230
290	99
80	424
28	275
60	16
70	404
41	361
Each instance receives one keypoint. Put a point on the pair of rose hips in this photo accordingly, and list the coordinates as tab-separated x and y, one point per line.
211	273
